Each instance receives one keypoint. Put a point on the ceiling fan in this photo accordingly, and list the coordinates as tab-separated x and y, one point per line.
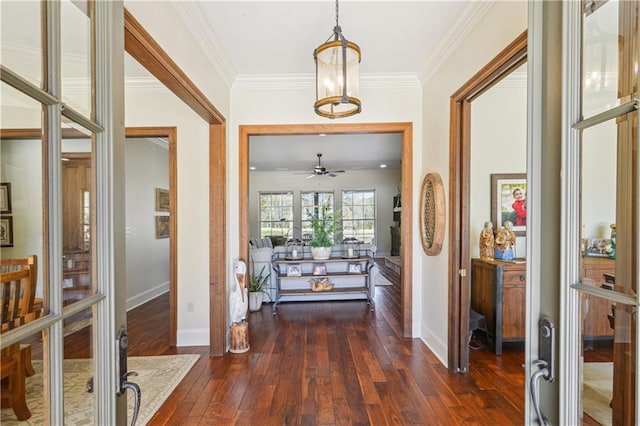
320	170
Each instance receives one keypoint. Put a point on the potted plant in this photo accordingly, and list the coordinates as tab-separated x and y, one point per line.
324	226
258	288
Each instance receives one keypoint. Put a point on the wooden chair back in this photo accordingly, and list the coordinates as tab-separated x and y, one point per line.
18	280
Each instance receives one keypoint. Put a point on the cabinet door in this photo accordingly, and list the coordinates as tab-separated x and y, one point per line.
513	302
483	291
76	181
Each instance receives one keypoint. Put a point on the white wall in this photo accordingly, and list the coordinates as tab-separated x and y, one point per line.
499	27
147	168
384	182
166	110
293	104
498	145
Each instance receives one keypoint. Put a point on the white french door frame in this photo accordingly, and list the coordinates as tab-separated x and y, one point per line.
570	356
108	126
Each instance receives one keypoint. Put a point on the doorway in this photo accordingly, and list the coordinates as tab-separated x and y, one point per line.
503	64
405	129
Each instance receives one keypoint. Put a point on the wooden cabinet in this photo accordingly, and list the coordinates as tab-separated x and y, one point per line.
594	309
395	240
350	277
498	292
76	184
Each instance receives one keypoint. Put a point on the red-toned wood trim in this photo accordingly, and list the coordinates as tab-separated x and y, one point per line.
514	55
406	129
139	44
217	238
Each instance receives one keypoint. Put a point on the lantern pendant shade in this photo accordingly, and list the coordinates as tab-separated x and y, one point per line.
337	77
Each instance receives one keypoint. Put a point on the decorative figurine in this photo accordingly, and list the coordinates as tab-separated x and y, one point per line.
505	242
487	242
238	300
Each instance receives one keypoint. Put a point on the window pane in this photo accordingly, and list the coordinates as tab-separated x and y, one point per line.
76	55
77	216
609	360
600	59
21	39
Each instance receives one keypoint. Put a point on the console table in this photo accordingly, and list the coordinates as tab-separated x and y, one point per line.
347	285
498	292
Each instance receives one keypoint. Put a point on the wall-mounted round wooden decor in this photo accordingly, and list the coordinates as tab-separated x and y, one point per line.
432	214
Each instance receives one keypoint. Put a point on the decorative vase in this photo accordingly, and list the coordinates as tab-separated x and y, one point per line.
321	253
255	300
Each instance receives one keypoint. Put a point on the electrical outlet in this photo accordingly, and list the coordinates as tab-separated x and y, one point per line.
189	306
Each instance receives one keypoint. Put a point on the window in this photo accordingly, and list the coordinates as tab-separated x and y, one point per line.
359	215
310	205
276	213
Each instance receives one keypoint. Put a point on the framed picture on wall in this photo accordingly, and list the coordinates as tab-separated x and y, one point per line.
509	201
162	227
6	231
5	197
162	200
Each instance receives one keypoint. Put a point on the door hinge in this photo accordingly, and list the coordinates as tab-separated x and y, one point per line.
462	272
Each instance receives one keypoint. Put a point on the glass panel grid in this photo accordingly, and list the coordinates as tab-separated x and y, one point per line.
314	204
276	213
359	220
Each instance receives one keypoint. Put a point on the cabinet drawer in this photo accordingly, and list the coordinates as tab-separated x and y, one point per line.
512	278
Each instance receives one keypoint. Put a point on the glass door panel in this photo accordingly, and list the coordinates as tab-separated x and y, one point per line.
21	39
76	17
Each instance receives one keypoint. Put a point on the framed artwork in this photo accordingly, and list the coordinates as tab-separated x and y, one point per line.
293	270
509	201
355	268
162	227
5	197
319	269
162	200
6	231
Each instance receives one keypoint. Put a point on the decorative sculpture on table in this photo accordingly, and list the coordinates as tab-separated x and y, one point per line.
238	306
487	242
505	242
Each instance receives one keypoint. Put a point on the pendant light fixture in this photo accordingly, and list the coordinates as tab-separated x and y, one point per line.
337	76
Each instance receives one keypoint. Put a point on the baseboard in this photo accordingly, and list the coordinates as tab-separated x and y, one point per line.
437	346
193	337
145	296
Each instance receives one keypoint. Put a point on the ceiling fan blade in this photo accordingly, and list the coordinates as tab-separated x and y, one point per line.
310	176
336	171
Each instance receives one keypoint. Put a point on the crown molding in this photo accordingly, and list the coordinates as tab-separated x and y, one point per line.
456	34
248	82
194	18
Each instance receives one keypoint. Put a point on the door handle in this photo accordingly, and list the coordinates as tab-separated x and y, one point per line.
123	374
545	364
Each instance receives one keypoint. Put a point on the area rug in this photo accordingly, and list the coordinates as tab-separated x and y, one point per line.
597	390
157	376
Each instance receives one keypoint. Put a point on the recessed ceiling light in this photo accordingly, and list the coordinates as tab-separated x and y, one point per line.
382	166
322	134
252	167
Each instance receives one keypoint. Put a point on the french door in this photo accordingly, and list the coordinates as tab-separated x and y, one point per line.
61	136
600	217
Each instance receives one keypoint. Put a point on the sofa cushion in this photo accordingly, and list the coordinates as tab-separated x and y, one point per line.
261	242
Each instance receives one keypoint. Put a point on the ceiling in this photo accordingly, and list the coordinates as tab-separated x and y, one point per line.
274	39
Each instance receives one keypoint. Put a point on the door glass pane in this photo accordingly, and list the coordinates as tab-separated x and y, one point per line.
609	361
77	216
76	55
600	59
79	369
21	39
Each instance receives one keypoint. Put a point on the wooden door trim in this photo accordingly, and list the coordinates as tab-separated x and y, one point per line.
406	129
144	49
514	55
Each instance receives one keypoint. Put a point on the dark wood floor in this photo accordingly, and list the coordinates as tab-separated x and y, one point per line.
328	363
331	363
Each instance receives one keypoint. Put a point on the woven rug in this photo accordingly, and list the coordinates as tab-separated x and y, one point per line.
157	376
598	390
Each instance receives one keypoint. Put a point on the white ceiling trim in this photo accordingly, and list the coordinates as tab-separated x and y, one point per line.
304	81
456	34
144	85
194	18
